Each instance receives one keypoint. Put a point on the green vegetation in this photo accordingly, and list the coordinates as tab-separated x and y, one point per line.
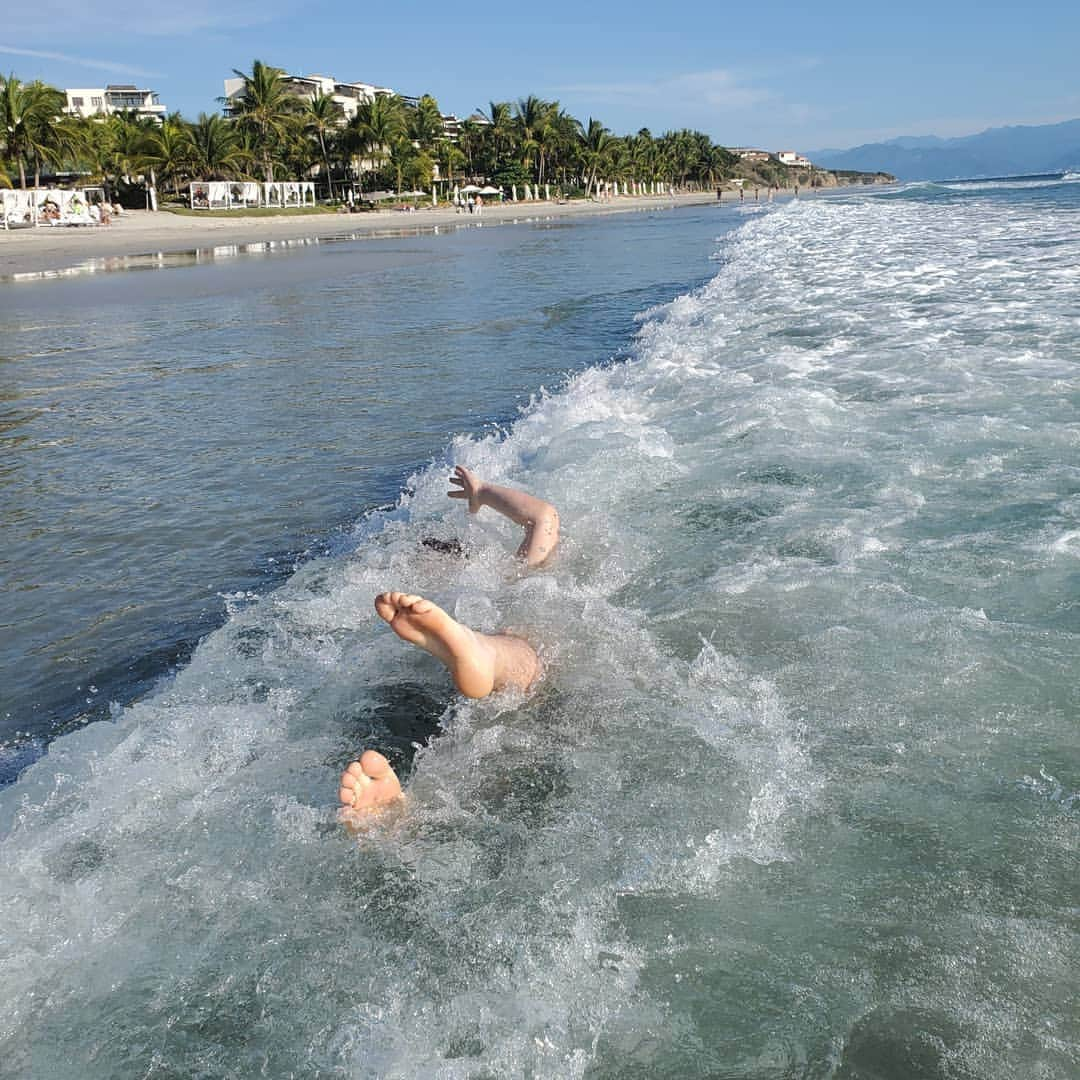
273	134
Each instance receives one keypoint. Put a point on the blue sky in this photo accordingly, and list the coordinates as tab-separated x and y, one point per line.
778	75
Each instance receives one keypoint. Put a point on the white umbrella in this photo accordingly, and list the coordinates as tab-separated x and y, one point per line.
471	189
489	190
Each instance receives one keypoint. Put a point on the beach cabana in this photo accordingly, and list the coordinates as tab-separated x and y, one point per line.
289	193
244	193
60	206
224	194
48	206
208	195
17	208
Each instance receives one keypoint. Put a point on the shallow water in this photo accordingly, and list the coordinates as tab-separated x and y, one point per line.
797	796
175	441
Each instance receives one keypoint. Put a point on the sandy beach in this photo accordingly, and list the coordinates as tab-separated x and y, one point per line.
45	251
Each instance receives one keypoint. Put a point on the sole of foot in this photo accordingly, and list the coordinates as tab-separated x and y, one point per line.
367	786
471	658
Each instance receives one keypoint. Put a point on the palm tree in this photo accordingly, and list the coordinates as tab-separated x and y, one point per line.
296	152
596	141
264	107
121	148
530	116
682	150
471	138
425	122
64	144
216	150
548	138
619	161
322	117
170	150
501	130
642	150
568	142
377	127
27	114
449	158
412	167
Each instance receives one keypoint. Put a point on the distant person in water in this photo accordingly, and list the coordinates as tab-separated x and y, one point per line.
478	663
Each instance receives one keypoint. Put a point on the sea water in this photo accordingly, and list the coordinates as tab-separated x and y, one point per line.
797	794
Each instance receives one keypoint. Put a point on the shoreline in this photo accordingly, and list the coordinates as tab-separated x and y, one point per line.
140	237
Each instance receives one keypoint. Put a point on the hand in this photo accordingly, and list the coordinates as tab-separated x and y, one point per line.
471	487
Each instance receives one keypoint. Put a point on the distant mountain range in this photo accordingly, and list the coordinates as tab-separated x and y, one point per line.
1003	151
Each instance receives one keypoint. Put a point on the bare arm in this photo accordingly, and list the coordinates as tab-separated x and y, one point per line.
540	519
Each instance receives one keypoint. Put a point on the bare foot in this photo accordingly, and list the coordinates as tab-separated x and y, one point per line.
479	663
368	784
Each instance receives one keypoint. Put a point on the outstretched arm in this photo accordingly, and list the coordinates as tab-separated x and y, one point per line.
540	519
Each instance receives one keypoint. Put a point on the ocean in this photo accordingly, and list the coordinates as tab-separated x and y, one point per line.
798	793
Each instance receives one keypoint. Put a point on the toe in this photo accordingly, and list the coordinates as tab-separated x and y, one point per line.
374	764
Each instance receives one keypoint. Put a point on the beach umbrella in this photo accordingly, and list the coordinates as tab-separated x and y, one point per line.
489	190
470	189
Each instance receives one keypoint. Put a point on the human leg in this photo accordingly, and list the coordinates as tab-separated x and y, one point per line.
479	663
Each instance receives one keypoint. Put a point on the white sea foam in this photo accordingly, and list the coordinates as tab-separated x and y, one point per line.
803	647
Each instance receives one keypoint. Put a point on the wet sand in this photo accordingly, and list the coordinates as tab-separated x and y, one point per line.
48	250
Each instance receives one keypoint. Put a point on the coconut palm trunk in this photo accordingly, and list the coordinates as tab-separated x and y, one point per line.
326	162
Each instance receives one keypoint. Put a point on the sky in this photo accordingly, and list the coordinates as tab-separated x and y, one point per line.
777	75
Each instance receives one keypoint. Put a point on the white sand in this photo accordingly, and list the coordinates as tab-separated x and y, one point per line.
140	232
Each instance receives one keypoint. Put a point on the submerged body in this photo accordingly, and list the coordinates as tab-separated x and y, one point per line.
478	663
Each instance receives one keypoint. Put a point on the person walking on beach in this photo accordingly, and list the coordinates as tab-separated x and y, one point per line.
478	663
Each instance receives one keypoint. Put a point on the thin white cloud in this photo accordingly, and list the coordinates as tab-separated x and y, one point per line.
717	90
67	23
81	61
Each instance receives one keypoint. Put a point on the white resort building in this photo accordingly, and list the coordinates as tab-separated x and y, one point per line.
748	153
104	101
793	159
347	96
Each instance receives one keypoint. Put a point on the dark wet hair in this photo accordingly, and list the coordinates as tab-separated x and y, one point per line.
445	547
